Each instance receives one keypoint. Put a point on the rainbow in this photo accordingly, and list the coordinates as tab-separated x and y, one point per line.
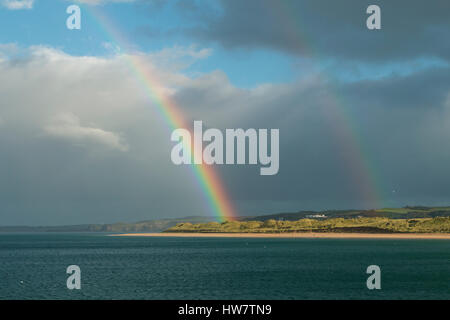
359	166
208	180
362	171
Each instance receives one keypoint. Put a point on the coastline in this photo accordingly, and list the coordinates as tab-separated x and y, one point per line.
293	235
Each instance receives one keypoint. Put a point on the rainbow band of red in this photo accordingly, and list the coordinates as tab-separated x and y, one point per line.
208	180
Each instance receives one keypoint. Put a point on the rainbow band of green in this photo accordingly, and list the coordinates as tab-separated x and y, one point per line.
208	180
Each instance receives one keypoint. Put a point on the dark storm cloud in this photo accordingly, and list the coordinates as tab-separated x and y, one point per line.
410	28
395	128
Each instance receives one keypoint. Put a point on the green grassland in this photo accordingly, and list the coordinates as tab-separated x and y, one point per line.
406	219
353	225
408	212
416	209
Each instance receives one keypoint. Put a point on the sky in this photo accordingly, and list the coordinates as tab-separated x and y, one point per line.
363	115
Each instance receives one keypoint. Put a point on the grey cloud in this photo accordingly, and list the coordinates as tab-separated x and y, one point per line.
395	129
411	29
62	143
333	136
67	126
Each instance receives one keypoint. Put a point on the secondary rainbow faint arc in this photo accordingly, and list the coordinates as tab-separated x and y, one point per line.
361	168
209	181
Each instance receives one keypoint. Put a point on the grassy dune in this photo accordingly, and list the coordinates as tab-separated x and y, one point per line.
336	225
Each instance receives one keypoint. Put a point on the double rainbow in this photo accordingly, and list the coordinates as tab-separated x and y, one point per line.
359	166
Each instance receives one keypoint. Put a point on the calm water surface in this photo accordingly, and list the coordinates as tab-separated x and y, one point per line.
32	266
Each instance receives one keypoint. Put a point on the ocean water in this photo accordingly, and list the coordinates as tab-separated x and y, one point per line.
33	266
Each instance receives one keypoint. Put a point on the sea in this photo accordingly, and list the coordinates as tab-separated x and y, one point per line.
34	266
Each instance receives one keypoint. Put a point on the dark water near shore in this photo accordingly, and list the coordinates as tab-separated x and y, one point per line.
33	266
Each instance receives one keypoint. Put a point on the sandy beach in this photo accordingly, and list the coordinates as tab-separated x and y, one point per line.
295	235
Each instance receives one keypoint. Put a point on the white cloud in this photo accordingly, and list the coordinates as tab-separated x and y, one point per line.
111	47
85	100
8	49
67	126
178	52
18	4
177	58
